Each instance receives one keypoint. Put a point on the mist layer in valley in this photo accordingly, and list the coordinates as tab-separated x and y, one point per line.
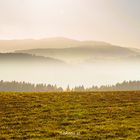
65	62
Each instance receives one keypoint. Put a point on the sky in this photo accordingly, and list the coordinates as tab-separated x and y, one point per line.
113	21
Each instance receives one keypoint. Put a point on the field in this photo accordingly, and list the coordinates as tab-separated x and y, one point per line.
70	116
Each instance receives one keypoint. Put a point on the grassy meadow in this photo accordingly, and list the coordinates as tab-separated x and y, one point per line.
70	116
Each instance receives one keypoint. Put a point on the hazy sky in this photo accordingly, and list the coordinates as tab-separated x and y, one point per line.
114	21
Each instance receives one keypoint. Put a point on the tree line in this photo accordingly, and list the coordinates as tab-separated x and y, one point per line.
124	86
28	87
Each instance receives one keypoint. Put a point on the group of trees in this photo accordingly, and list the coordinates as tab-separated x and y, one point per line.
124	86
28	87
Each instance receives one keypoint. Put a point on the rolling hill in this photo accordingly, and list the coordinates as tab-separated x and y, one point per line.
12	45
70	50
22	58
84	51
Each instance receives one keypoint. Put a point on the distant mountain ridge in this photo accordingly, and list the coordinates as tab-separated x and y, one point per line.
59	42
69	50
12	45
26	58
84	51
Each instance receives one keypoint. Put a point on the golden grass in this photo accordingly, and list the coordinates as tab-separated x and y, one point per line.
68	116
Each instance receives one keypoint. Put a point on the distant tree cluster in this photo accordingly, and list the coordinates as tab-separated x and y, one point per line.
124	86
28	87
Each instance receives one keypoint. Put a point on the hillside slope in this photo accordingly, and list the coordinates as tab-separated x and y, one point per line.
85	53
26	58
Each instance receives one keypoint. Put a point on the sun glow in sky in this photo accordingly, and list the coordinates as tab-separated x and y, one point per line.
114	21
